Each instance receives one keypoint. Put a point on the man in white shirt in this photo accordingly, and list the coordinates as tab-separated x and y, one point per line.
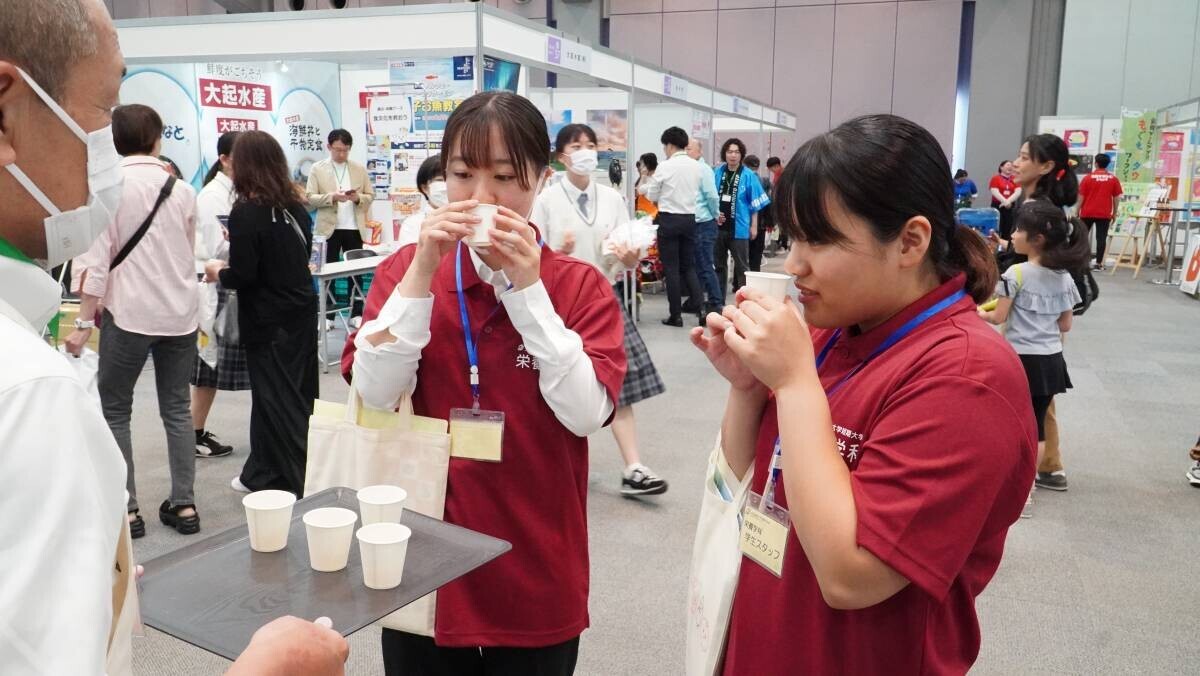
62	494
675	187
339	189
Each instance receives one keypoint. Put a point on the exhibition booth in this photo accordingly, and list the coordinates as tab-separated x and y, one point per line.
392	76
1156	156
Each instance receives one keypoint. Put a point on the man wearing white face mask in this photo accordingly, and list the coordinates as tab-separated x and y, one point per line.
431	181
66	607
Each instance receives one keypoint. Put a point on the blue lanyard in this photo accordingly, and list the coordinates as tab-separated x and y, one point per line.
472	350
911	325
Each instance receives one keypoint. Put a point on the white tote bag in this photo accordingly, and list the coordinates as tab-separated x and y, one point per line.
716	560
355	447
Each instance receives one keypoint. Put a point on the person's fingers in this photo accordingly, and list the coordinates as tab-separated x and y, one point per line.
747	293
755	311
323	622
736	343
463	205
518	226
745	325
138	571
453	217
716	322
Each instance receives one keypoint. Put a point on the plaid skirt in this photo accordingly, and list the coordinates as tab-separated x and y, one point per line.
231	373
641	378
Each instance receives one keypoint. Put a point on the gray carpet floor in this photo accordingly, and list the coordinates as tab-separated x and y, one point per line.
1101	580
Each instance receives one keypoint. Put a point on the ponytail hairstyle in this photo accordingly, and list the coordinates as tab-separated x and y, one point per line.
224	147
1060	186
1064	241
886	170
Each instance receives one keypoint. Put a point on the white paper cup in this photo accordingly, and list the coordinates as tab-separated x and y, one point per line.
269	517
381	504
330	530
383	547
772	284
482	238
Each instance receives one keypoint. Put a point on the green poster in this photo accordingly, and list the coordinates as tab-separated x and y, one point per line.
1135	163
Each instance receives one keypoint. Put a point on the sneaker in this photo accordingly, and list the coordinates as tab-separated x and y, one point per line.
1193	474
356	323
641	481
1055	481
1027	510
208	446
238	486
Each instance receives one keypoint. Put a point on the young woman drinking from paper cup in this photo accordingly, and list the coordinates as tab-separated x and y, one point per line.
521	350
886	433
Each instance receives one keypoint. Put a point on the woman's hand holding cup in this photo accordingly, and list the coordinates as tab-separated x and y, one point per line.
442	230
770	339
515	246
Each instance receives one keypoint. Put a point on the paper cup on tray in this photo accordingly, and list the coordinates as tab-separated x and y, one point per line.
268	516
329	530
383	547
381	504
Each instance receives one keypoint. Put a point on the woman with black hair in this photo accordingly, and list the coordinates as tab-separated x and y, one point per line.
212	242
510	332
270	240
581	213
877	511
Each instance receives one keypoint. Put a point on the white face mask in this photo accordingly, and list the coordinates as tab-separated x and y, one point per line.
438	196
583	161
71	233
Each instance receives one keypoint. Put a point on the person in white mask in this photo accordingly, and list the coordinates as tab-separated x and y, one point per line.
578	217
64	602
431	181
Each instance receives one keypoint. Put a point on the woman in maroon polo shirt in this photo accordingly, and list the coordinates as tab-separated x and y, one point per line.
887	429
512	329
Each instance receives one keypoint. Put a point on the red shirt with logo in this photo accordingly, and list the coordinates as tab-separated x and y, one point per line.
1098	190
536	497
1004	184
940	439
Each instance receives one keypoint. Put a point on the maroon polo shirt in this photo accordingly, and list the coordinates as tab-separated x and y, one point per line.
536	497
939	436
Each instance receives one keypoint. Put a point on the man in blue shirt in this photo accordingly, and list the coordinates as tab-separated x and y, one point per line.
706	239
741	198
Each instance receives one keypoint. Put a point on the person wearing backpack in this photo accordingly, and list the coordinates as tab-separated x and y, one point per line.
142	272
270	238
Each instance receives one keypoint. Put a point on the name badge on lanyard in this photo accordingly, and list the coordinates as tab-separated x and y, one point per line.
765	525
475	433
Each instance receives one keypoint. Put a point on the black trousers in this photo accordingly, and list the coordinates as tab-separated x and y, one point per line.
1006	222
757	245
1100	227
283	381
677	249
407	654
740	250
339	242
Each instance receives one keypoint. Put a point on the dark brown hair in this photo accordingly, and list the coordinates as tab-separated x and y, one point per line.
1065	244
260	171
1061	185
572	133
468	134
136	128
886	170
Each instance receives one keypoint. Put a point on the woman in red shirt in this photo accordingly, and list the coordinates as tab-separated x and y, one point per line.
511	331
887	431
1005	194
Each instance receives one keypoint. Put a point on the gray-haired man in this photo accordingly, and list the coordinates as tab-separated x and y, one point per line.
61	474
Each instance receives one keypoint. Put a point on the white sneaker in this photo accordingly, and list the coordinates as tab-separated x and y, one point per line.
1193	475
355	322
1027	511
238	486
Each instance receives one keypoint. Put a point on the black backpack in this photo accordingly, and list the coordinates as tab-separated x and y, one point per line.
1089	290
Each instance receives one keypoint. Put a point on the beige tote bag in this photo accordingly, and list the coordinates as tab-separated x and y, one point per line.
356	447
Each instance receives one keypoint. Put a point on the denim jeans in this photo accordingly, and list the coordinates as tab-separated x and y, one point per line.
122	357
706	239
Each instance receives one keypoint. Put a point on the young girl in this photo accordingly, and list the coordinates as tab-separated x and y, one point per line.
578	216
1037	297
882	507
516	330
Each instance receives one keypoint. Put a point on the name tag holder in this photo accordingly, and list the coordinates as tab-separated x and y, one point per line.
764	533
476	434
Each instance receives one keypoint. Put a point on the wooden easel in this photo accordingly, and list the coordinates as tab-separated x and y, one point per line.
1146	229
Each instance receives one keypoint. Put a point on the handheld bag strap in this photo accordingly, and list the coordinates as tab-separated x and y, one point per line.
354	405
141	231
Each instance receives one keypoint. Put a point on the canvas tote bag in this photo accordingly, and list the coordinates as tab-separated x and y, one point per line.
716	561
356	447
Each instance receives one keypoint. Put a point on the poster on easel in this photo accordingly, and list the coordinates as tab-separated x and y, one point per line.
1190	281
1135	163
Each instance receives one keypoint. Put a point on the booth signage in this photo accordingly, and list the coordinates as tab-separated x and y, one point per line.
568	54
227	124
240	95
390	116
675	87
781	118
741	106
